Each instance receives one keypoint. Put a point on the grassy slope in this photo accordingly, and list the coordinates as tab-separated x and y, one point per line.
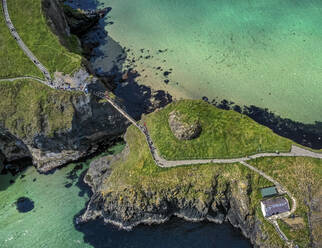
137	173
296	174
225	134
25	103
31	24
13	62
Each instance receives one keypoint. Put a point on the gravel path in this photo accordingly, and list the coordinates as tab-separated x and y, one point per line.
161	162
17	78
22	45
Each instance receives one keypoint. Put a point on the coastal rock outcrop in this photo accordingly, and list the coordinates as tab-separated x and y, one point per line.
128	206
97	168
182	129
80	21
54	127
56	18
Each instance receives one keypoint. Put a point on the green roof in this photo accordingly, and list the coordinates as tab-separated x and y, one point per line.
268	191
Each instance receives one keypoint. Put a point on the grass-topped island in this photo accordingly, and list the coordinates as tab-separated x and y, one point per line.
133	189
225	134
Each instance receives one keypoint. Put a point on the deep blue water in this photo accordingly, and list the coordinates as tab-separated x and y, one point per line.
175	233
40	211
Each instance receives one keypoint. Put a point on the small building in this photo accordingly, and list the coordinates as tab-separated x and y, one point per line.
274	206
269	191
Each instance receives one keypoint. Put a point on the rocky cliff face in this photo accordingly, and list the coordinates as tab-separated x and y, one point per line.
80	21
129	206
136	196
53	127
56	17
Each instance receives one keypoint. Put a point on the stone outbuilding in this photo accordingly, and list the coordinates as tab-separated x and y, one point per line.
274	206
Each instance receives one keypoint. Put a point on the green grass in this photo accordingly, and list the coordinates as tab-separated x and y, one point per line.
13	61
296	174
225	134
28	108
300	236
135	175
31	24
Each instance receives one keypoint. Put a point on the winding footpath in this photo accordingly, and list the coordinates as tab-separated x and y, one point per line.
22	45
161	162
17	78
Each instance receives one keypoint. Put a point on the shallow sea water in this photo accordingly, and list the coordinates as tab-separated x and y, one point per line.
265	53
57	198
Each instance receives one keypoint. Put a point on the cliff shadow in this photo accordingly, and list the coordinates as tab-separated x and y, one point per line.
109	61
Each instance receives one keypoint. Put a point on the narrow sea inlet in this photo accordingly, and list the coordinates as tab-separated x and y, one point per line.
263	53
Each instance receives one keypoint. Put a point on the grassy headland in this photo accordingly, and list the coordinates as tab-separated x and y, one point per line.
31	24
13	61
135	175
225	134
28	108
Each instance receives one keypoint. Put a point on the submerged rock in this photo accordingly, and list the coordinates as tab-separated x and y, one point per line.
24	204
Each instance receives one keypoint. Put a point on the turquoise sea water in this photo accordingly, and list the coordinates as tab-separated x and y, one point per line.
50	223
265	53
60	196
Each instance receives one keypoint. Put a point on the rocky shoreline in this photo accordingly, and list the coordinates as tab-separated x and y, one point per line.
126	208
91	123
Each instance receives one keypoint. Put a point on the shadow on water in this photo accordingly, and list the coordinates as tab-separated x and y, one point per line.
10	171
136	98
111	68
309	135
174	233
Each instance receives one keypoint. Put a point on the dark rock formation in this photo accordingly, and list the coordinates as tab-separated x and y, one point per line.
80	21
56	18
81	124
181	129
98	168
24	204
130	206
11	147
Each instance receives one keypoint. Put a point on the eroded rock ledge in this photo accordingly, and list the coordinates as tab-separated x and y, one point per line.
57	129
129	206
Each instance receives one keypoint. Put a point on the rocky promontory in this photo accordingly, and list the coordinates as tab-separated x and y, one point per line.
53	127
193	193
80	21
130	189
